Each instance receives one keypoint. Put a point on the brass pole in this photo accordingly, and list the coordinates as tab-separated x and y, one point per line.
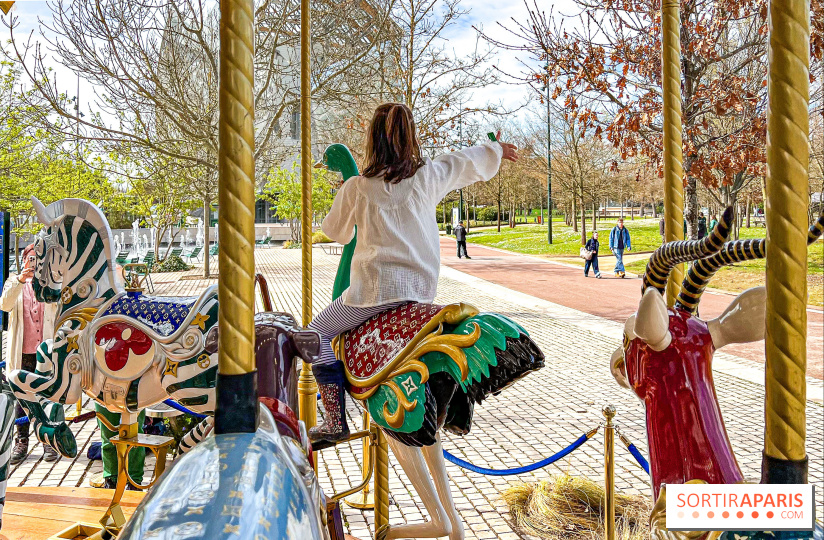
609	472
788	161
236	190
673	156
364	500
307	386
381	482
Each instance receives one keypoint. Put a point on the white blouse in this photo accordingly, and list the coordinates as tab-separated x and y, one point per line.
398	254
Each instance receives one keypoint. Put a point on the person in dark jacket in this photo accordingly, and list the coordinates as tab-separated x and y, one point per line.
619	241
592	245
702	225
460	236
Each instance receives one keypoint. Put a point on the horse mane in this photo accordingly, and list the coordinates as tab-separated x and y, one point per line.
92	215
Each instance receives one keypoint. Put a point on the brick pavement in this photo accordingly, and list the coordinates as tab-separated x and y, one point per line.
537	417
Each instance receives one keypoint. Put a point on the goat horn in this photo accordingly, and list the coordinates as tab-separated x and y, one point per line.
702	271
667	256
41	211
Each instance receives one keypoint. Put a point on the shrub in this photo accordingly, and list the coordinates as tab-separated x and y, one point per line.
321	238
172	263
291	245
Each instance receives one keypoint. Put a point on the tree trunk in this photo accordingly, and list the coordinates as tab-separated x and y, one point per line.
691	207
594	216
583	221
499	214
631	211
749	206
654	209
574	213
207	206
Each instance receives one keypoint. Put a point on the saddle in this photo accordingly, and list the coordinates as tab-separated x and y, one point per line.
384	353
134	331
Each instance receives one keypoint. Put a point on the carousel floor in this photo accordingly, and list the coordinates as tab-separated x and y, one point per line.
37	513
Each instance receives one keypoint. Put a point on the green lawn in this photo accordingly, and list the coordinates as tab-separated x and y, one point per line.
532	239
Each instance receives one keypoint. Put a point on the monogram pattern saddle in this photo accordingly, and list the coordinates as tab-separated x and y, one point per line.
369	349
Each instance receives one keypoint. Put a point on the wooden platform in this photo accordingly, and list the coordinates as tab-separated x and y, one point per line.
36	513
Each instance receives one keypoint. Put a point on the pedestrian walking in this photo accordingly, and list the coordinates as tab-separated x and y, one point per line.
662	230
713	222
460	236
30	323
398	253
592	246
702	225
619	241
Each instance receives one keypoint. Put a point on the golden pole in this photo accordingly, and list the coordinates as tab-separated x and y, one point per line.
381	483
788	161
364	500
307	387
609	472
673	157
236	178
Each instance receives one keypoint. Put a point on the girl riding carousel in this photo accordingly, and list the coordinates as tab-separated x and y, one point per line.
397	258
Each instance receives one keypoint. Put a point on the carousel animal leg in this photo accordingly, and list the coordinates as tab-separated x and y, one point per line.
6	424
197	434
437	467
415	466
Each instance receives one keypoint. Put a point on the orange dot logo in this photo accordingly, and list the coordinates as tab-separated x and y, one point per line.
740	514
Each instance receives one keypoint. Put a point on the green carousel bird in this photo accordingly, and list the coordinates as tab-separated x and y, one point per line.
456	357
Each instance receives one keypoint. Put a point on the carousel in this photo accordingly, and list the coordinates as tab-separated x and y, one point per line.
248	470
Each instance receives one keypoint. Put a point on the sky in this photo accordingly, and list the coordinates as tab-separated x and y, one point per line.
460	37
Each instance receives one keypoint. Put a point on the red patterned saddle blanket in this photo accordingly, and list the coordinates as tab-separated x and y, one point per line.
370	348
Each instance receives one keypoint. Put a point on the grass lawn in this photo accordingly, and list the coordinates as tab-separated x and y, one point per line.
532	239
743	276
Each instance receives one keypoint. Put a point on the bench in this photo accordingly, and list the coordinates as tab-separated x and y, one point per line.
332	249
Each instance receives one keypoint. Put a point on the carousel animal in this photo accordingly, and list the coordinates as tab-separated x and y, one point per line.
419	368
125	350
668	352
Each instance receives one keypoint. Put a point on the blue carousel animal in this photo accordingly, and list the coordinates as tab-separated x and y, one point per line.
420	368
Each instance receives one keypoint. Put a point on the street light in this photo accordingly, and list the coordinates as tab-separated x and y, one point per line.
548	162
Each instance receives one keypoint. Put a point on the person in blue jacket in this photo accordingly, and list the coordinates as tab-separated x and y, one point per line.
592	245
618	242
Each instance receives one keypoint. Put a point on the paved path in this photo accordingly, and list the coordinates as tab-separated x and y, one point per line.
535	418
611	298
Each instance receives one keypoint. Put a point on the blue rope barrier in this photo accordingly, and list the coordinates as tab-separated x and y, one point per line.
2	364
178	407
638	457
525	469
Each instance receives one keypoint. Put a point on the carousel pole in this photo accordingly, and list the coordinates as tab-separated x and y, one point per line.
237	408
788	129
673	157
307	386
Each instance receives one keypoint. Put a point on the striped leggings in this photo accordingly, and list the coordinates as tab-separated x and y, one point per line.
336	319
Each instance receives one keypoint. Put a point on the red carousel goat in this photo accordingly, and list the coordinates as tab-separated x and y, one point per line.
666	358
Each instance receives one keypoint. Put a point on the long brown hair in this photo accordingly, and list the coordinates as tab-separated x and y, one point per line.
392	148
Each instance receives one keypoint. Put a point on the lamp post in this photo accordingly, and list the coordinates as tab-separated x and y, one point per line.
549	163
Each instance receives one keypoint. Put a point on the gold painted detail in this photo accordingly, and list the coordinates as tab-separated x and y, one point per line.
72	344
66	294
451	314
83	316
203	361
171	368
408	361
658	521
200	320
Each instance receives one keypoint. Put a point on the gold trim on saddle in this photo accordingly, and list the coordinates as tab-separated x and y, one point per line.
430	338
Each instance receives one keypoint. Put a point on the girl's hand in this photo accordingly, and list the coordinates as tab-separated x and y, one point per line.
510	150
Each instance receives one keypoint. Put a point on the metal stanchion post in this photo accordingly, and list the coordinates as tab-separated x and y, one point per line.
609	472
364	500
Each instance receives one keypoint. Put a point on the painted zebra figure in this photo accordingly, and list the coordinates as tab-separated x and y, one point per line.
125	350
6	423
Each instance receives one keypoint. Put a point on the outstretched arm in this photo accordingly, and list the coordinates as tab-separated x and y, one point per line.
476	164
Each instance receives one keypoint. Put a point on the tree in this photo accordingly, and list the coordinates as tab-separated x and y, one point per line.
604	61
283	190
